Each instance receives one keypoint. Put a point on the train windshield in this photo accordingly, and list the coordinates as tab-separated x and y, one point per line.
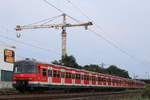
24	67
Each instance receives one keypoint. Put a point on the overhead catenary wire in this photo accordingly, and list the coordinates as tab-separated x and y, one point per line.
84	14
20	57
53	50
101	36
96	33
27	44
79	10
53	6
56	53
108	41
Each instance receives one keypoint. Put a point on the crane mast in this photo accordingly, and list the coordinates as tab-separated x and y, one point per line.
64	37
63	26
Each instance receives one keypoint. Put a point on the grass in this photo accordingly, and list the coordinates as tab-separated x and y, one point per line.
7	89
140	98
133	90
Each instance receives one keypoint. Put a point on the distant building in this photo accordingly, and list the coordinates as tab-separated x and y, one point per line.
7	57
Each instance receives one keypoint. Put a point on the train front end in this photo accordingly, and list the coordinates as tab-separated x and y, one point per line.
25	75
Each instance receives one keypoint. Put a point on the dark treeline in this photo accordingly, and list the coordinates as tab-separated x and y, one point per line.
70	61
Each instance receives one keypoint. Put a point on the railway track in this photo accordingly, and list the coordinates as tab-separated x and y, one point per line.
65	96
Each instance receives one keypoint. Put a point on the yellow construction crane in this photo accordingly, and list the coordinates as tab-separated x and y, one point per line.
63	26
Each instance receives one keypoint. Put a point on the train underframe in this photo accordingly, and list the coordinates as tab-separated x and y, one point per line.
24	85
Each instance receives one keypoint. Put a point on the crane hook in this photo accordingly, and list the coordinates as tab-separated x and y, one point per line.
18	35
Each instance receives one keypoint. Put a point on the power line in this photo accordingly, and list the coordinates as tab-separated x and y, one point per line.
38	48
53	6
20	57
97	34
84	14
27	44
107	40
94	32
79	10
30	45
111	43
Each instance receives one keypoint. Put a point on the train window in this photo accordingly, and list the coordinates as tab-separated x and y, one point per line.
103	79
77	76
9	56
99	79
68	75
106	80
44	72
50	73
56	73
96	78
73	76
86	77
90	77
109	80
62	74
93	78
82	77
24	67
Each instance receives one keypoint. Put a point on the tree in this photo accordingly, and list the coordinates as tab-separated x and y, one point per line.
111	70
114	70
95	68
68	61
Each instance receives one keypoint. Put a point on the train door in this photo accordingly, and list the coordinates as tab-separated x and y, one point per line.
44	74
56	77
73	78
50	75
62	77
68	78
77	78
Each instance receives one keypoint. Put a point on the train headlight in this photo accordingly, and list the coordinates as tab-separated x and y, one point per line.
30	78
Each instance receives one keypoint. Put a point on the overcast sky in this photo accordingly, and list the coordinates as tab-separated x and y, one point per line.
123	22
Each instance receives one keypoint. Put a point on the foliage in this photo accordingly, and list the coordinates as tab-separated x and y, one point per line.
111	70
137	98
114	70
68	61
146	92
132	91
7	89
95	68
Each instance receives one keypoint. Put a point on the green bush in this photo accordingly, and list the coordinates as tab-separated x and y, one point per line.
146	92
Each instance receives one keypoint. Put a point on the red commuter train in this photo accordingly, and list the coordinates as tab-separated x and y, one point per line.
31	74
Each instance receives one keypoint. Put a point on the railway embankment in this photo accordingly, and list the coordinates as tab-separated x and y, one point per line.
13	95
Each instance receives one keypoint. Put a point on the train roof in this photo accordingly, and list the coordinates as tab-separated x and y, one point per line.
40	62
